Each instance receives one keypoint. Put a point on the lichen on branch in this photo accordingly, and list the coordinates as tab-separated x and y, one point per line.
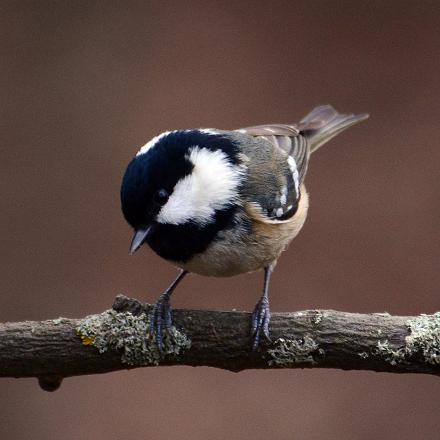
129	334
424	337
120	339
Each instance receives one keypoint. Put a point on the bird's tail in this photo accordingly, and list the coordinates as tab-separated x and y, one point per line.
324	123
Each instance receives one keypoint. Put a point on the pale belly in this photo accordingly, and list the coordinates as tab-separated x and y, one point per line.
235	252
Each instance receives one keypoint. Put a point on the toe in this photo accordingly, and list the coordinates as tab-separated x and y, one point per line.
161	320
260	323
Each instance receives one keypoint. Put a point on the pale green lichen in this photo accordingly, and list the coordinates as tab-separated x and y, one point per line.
317	317
363	355
390	355
425	337
423	340
130	334
289	352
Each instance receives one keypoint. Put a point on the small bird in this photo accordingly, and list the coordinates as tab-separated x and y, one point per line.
221	203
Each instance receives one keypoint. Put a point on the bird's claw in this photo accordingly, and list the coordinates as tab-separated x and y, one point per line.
260	322
161	320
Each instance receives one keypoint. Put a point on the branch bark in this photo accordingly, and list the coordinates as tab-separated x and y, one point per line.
118	339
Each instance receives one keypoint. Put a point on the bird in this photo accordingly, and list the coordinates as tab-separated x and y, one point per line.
224	202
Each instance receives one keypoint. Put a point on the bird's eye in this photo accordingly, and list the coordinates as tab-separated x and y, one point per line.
161	197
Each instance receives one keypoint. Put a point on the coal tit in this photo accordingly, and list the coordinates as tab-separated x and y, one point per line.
220	203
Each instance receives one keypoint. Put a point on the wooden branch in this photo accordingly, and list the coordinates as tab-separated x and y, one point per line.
118	339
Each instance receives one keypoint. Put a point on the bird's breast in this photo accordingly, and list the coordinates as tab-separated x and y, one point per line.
248	246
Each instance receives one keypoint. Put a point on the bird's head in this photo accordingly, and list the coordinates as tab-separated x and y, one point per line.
184	177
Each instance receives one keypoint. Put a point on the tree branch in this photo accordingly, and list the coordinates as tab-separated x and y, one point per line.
118	339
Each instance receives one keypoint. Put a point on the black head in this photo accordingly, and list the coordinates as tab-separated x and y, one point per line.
148	194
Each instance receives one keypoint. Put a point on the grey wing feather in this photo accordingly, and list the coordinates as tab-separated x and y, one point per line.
300	151
318	117
324	123
298	141
271	129
287	138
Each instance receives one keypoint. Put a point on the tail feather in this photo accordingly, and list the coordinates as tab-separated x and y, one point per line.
324	123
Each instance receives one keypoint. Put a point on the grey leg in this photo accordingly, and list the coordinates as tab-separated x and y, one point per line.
261	315
161	317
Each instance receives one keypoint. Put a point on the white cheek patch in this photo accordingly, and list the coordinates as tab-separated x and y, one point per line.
150	144
212	185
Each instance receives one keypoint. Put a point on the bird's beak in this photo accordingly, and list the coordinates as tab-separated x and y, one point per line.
139	237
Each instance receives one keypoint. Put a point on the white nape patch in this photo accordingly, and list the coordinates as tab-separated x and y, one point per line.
212	185
151	143
208	131
294	170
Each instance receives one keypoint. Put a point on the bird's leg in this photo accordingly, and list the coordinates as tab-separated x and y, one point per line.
261	315
161	317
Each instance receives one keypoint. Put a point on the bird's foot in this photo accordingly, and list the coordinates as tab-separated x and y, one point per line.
260	322
161	319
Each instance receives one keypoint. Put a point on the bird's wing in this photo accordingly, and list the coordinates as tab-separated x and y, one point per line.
287	137
271	129
281	198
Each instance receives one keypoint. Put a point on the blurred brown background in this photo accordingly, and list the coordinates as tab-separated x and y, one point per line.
85	83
